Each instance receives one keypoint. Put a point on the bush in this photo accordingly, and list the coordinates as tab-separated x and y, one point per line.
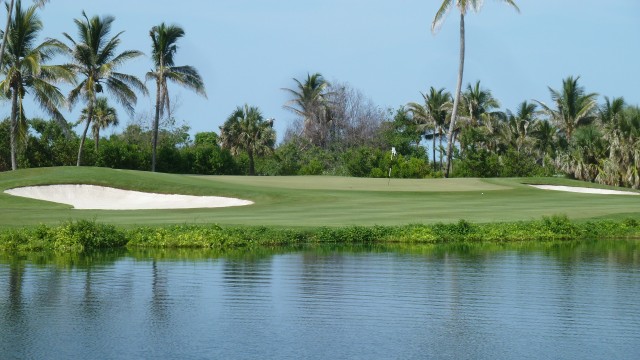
86	235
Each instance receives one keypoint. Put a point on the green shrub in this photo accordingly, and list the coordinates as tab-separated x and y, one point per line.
560	226
85	235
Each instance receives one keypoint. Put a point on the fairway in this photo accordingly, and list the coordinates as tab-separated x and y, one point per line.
311	201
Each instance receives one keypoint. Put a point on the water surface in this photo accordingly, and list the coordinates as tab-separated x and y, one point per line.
569	301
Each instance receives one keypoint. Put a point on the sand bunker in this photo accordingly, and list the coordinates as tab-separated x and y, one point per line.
584	190
90	197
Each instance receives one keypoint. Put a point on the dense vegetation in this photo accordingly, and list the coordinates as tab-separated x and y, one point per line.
85	235
338	132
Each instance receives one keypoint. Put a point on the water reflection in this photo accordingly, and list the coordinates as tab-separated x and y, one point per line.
552	300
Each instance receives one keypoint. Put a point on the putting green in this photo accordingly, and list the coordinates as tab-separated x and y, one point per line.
309	201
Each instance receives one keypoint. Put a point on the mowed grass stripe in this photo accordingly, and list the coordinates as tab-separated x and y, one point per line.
312	201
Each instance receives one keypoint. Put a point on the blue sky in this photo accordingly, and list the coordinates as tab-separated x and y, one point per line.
247	50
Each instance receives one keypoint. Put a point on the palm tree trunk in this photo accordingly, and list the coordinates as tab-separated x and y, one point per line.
456	100
435	163
6	33
84	133
96	139
440	147
156	125
14	129
252	169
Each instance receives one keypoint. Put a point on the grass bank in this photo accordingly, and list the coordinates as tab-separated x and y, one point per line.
85	235
310	210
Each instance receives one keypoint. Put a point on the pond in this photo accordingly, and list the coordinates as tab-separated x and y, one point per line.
573	300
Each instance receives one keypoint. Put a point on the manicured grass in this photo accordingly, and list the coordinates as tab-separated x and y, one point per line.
314	201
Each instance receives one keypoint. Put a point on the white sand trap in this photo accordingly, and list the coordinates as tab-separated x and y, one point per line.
584	190
90	197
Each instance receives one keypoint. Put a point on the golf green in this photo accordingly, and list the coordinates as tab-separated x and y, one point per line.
311	201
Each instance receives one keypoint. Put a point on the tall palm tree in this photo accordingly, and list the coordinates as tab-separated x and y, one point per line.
103	117
94	58
573	106
164	46
246	130
38	3
310	103
463	6
26	72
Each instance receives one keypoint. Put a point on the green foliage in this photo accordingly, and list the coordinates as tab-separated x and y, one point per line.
5	147
72	236
313	167
182	236
350	234
206	138
520	164
401	133
477	163
48	145
86	235
246	131
361	161
83	235
559	225
412	167
118	153
287	159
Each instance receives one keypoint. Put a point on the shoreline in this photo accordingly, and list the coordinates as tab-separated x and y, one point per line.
83	235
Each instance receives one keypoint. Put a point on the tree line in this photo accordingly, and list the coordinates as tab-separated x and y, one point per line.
338	130
93	69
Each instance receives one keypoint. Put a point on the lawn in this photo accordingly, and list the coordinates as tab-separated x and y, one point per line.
311	201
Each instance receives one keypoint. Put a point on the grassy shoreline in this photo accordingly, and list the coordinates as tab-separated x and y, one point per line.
310	210
85	235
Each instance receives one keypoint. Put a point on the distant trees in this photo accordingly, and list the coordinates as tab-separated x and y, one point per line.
337	130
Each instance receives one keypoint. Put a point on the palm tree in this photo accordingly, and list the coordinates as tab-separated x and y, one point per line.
621	130
544	134
94	57
310	103
477	108
433	115
26	73
103	117
246	130
38	3
517	130
464	6
573	107
586	149
164	46
478	102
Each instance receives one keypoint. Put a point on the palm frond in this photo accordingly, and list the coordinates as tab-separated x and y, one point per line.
188	77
